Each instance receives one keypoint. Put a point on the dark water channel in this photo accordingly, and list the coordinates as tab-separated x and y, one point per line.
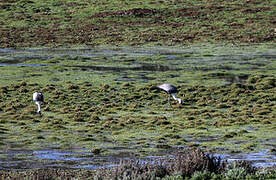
81	158
171	60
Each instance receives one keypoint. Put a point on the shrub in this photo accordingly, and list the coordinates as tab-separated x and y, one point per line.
177	176
199	175
236	173
133	170
239	170
189	162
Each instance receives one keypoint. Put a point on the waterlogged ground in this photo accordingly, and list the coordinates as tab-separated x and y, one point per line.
100	106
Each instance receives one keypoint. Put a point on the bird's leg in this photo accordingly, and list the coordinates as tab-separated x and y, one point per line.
169	98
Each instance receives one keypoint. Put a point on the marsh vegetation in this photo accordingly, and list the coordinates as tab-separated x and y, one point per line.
99	101
96	63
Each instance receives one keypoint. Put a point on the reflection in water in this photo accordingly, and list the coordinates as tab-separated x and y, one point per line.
259	159
6	50
19	160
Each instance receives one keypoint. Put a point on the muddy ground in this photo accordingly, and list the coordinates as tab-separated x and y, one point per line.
93	23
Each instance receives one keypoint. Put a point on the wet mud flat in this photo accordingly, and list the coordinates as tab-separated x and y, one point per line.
99	104
85	159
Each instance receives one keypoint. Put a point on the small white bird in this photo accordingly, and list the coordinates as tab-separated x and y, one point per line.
38	100
171	90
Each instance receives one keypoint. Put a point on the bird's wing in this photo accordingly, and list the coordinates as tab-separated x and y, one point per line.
168	88
164	87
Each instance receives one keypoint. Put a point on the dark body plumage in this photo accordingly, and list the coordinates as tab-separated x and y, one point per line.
40	97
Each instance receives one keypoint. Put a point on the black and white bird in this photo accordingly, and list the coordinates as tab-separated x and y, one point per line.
38	100
171	90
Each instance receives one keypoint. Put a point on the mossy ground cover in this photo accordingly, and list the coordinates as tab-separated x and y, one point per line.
113	22
229	106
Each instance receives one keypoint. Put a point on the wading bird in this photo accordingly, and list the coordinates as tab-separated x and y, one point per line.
170	90
38	100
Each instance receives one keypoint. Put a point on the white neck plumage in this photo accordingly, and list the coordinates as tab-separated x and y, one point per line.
38	107
177	99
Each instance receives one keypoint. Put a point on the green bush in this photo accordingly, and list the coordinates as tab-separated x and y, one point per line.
235	174
199	175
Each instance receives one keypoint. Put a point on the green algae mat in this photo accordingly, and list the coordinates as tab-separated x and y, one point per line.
101	99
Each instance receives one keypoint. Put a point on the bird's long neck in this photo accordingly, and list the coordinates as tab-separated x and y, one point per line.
38	106
175	98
